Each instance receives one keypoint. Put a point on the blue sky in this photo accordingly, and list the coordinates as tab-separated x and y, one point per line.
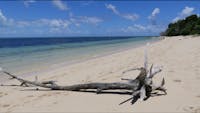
57	18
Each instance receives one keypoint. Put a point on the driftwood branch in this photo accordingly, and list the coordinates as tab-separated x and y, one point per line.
142	86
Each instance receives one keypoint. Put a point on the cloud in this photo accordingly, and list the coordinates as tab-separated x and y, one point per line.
58	23
135	28
51	23
54	23
184	13
140	27
78	20
145	29
153	16
90	20
22	23
113	8
176	19
28	2
60	5
3	19
155	12
86	3
40	26
132	17
187	11
46	26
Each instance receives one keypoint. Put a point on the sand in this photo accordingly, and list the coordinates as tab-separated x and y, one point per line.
180	57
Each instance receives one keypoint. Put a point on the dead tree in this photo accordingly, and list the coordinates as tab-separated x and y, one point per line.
141	87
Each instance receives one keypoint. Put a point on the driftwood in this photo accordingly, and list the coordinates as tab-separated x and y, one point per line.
141	87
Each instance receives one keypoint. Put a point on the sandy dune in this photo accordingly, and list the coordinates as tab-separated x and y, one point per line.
180	57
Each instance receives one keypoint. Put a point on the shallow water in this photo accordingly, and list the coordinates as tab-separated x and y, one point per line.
26	59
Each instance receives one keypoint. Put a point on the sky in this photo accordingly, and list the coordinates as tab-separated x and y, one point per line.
63	18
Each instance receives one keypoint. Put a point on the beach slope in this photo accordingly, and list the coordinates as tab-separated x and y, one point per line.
180	57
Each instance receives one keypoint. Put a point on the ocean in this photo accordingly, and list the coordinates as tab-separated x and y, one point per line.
28	56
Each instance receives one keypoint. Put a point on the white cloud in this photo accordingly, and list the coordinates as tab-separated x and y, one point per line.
3	19
91	20
137	28
85	19
187	11
132	17
113	8
140	27
28	2
155	12
22	23
86	3
176	19
134	28
49	23
153	15
184	13
60	5
57	23
45	26
54	23
42	26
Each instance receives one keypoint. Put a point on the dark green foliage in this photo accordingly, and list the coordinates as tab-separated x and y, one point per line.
188	26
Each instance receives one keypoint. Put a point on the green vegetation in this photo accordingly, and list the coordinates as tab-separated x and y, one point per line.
188	26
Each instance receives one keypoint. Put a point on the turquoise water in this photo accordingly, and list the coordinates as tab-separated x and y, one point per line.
26	60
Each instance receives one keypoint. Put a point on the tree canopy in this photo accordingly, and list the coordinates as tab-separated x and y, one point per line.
188	26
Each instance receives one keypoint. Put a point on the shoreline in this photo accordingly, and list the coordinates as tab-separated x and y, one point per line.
179	56
59	65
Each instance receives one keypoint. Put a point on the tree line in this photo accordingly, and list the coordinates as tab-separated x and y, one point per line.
188	26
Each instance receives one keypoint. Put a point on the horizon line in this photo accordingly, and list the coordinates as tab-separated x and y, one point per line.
78	36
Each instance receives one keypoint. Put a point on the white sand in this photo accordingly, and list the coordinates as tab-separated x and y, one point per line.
180	57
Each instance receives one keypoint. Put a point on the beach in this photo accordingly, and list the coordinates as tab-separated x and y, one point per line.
179	56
